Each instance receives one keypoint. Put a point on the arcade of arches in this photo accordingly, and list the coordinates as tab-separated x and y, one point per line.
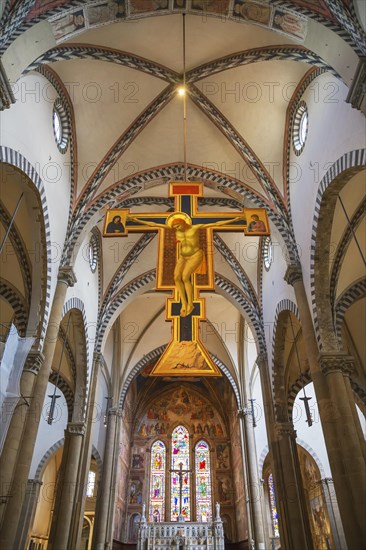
91	119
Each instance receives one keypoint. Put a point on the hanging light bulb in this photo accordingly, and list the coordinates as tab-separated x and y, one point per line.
182	91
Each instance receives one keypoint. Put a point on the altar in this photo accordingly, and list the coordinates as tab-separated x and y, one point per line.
181	535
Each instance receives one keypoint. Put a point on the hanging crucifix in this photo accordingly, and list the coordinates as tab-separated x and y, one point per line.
180	474
185	266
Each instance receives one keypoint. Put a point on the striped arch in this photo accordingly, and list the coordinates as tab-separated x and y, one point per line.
9	156
279	392
51	451
96	234
17	22
125	294
343	247
313	455
76	303
148	278
62	385
153	356
300	383
304	83
353	293
283	305
21	253
44	460
333	181
69	128
98	460
9	293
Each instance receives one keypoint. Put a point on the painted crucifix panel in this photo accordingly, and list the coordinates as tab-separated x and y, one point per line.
185	266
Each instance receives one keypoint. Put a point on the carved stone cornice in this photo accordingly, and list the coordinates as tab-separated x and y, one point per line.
75	428
284	429
293	274
357	92
66	275
113	411
262	361
6	93
336	362
35	482
34	362
97	357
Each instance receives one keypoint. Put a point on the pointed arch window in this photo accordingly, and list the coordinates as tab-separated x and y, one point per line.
180	455
273	506
157	482
203	482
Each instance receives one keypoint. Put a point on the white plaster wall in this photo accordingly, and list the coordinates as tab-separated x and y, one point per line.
260	432
100	405
312	436
275	289
335	128
47	434
86	290
33	113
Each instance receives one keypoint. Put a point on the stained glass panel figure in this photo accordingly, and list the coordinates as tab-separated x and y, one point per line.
180	454
157	482
203	482
272	502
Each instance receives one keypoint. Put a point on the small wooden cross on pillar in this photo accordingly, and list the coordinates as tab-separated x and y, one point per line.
185	266
180	473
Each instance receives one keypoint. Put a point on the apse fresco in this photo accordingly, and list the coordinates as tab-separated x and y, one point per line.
112	10
181	406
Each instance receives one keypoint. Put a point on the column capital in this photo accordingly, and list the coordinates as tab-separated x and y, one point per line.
262	360
114	411
97	357
293	274
242	412
75	428
34	362
35	482
66	275
336	362
285	428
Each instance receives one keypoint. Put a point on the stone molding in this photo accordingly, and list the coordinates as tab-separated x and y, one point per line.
336	362
262	360
75	428
285	429
67	275
34	362
293	274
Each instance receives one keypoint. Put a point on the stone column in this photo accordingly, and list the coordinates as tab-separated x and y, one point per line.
90	424
66	487
293	521
105	493
350	467
25	453
290	489
333	403
15	431
333	511
253	485
28	512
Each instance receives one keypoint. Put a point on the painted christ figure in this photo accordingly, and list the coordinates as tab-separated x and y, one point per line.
191	257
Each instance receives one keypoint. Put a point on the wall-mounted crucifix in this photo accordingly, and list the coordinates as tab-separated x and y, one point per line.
185	266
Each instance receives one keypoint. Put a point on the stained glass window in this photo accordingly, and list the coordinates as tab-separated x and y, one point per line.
272	502
203	482
180	455
157	482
